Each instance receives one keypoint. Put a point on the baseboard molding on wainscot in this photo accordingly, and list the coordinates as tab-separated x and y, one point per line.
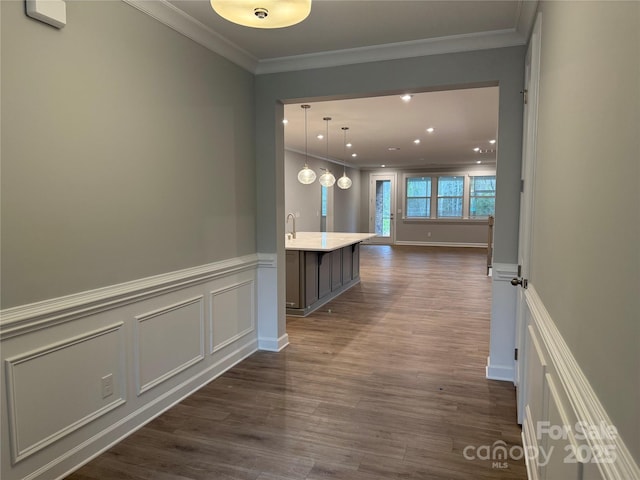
504	373
273	344
441	244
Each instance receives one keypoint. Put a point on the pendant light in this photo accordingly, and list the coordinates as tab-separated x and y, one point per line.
263	13
344	182
327	179
306	175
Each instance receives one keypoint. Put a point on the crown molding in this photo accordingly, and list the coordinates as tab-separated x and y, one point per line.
392	51
191	28
166	13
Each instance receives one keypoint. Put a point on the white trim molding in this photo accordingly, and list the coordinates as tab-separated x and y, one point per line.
441	244
392	51
18	451
174	18
44	314
567	392
501	362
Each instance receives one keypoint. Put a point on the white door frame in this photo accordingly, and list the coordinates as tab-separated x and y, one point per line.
373	177
529	136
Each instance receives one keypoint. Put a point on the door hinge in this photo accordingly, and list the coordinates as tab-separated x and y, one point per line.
522	185
524	96
515	354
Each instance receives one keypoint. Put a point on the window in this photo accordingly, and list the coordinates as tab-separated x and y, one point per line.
323	208
450	196
482	196
418	197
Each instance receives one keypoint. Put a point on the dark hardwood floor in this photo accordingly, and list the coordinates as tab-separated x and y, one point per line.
385	382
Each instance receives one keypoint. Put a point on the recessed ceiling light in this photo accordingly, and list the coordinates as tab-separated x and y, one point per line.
393	149
285	121
354	155
430	130
406	97
492	142
479	162
320	136
349	145
416	141
383	166
477	149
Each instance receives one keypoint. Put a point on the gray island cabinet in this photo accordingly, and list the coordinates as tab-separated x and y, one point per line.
320	266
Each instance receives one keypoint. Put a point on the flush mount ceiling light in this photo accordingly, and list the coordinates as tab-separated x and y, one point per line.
327	179
306	175
344	182
263	13
430	130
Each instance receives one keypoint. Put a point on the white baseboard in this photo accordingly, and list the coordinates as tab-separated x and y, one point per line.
503	373
441	244
273	344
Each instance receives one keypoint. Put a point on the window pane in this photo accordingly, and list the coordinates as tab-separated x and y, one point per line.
418	207
482	199
323	201
450	192
418	187
482	206
418	197
483	186
450	186
450	207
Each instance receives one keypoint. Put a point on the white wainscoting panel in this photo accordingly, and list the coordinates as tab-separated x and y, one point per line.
149	334
559	405
168	341
231	314
561	448
51	394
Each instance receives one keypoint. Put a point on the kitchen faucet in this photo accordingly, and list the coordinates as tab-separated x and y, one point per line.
293	233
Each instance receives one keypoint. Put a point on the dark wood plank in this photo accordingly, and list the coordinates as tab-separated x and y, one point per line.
384	382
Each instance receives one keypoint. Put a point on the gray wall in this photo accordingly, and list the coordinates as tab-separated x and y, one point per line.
127	151
586	235
305	199
442	231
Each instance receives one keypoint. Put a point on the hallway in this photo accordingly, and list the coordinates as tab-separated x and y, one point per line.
385	382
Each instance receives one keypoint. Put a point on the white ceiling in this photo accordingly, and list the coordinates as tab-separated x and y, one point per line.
351	31
462	120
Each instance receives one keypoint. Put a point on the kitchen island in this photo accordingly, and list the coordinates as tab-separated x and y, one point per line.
320	266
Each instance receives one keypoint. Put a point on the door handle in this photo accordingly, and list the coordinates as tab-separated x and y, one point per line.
523	282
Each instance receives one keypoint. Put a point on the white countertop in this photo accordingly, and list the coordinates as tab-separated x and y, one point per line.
325	241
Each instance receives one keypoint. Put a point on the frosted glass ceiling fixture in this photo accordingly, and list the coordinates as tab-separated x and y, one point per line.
344	182
327	179
263	13
306	175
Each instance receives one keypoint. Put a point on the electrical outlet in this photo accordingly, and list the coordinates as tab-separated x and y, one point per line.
429	234
107	385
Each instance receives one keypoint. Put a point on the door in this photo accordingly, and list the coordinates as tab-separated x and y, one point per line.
529	134
382	205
